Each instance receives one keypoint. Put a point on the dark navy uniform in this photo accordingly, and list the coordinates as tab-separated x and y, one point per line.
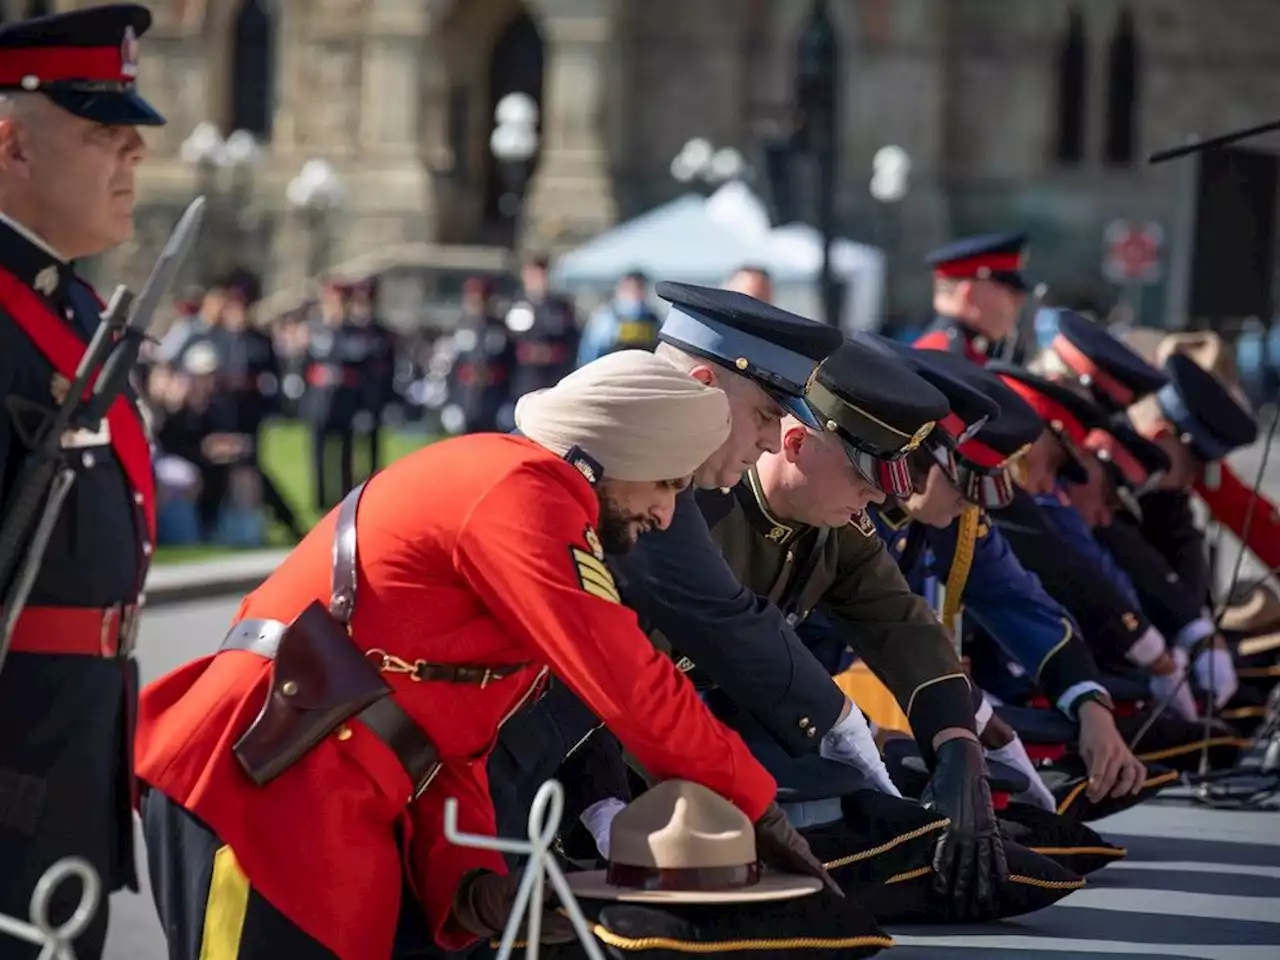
678	581
1108	615
1212	423
480	378
337	354
68	687
998	257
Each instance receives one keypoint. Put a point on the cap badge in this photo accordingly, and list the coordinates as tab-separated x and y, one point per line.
129	53
47	280
918	437
742	363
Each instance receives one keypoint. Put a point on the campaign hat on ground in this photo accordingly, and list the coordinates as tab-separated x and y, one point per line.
85	61
1115	374
992	256
777	349
1212	421
879	409
681	842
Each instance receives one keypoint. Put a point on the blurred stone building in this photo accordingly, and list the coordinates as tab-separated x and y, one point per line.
1016	113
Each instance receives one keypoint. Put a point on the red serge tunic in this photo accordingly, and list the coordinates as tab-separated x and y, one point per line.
476	550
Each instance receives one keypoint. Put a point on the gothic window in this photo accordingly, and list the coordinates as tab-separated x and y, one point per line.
1072	92
253	73
37	8
1122	92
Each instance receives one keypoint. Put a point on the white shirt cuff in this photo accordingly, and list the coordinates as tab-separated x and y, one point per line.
1148	648
983	714
1066	702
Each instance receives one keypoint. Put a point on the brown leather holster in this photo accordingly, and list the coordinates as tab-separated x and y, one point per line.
320	680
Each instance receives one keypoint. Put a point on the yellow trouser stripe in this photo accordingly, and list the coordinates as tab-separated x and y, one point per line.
225	909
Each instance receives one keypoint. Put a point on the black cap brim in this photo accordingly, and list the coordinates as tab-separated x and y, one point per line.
112	108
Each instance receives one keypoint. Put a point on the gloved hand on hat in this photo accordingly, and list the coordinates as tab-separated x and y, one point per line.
484	901
851	742
780	845
969	860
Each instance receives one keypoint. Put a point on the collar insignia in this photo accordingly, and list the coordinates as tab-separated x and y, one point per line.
59	386
777	534
129	53
863	524
585	464
593	543
47	280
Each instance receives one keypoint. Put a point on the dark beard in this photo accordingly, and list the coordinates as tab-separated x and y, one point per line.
615	532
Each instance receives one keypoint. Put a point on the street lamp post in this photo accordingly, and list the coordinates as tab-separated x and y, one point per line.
315	194
513	143
699	160
227	221
817	72
890	170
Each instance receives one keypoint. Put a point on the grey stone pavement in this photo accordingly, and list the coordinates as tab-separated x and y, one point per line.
1199	883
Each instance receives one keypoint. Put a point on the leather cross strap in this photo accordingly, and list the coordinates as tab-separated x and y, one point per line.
342	586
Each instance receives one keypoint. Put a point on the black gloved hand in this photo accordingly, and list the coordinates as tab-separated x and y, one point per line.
484	901
780	846
968	863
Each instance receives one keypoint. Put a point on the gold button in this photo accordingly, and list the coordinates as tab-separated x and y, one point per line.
742	363
288	688
804	722
812	731
344	732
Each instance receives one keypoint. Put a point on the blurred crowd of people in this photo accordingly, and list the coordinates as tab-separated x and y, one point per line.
220	373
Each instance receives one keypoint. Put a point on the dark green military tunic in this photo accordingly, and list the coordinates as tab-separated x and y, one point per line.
847	571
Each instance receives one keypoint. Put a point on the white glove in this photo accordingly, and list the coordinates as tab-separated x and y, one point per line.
850	742
1215	671
1171	685
1147	649
598	819
983	714
1014	754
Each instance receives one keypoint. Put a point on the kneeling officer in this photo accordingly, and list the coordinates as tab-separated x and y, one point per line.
291	772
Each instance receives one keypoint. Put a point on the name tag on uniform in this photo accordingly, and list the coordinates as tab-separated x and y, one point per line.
78	439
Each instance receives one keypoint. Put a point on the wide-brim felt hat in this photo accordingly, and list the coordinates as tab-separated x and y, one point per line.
820	927
595	885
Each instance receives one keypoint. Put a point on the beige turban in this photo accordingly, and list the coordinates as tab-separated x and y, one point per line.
635	413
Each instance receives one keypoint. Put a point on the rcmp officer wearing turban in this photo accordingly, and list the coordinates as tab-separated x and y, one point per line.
69	149
978	292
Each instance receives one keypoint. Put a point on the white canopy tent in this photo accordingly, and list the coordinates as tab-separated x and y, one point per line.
703	240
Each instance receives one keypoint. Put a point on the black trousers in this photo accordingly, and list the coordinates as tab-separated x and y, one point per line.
63	786
332	479
210	911
207	907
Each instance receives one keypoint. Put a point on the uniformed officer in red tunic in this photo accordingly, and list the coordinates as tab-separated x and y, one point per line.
69	150
978	292
287	796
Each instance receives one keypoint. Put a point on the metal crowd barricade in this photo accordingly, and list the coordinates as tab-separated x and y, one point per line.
55	942
544	824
